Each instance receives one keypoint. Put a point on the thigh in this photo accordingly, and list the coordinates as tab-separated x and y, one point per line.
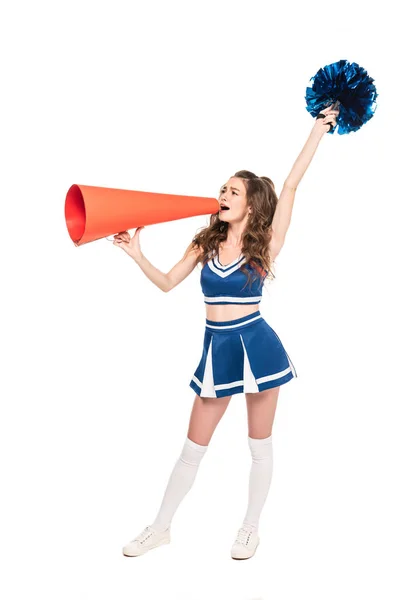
205	416
261	407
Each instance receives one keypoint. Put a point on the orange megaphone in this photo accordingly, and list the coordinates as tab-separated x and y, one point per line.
93	212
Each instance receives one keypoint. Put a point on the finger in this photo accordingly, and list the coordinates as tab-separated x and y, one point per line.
326	109
331	111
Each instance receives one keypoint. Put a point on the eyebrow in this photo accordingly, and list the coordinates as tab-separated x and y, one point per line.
232	188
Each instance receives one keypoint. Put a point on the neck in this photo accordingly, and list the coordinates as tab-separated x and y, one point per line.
234	237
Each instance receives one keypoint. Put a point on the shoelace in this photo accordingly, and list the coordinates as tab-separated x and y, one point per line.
144	535
243	536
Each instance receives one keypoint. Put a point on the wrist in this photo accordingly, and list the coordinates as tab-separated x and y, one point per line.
138	259
316	132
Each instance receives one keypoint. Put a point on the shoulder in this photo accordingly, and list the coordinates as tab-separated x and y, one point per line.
195	252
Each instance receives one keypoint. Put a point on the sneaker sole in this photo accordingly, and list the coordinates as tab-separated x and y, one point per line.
166	541
245	557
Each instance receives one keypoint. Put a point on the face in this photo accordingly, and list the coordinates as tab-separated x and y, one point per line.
233	196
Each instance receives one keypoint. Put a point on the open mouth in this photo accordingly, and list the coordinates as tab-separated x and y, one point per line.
224	208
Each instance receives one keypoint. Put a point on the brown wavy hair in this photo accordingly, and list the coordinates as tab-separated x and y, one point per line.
262	198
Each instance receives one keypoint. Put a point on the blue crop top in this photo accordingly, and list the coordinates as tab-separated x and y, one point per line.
223	284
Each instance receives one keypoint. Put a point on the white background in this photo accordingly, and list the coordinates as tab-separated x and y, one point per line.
174	97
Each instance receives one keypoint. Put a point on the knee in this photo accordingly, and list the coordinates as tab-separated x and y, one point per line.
260	448
192	453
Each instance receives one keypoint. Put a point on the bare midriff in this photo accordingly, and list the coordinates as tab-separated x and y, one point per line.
229	312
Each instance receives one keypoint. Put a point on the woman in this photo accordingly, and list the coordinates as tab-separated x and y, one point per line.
241	352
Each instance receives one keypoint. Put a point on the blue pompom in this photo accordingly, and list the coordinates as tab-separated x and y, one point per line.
351	87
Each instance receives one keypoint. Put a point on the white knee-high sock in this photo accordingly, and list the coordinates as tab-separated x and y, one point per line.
180	482
260	479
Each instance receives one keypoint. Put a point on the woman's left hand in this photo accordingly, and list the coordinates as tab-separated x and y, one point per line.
322	125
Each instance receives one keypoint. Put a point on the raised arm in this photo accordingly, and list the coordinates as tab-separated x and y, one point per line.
283	211
164	281
167	281
183	268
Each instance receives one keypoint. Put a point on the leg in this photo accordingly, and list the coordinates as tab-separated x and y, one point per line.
206	414
261	409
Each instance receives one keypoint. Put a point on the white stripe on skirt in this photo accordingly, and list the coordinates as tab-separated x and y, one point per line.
208	379
250	383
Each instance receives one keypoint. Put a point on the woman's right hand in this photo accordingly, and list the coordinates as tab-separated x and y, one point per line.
130	245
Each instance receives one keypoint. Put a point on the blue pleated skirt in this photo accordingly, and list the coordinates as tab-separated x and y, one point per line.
243	355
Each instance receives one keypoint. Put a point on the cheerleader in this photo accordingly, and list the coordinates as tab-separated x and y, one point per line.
241	352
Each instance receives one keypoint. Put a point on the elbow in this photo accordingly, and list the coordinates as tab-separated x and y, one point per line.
290	184
167	286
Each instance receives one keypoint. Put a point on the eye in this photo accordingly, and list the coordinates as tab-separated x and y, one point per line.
232	192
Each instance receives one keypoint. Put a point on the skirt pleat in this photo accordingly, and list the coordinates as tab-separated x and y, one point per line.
242	355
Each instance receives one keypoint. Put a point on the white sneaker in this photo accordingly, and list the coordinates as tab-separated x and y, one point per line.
148	539
245	544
